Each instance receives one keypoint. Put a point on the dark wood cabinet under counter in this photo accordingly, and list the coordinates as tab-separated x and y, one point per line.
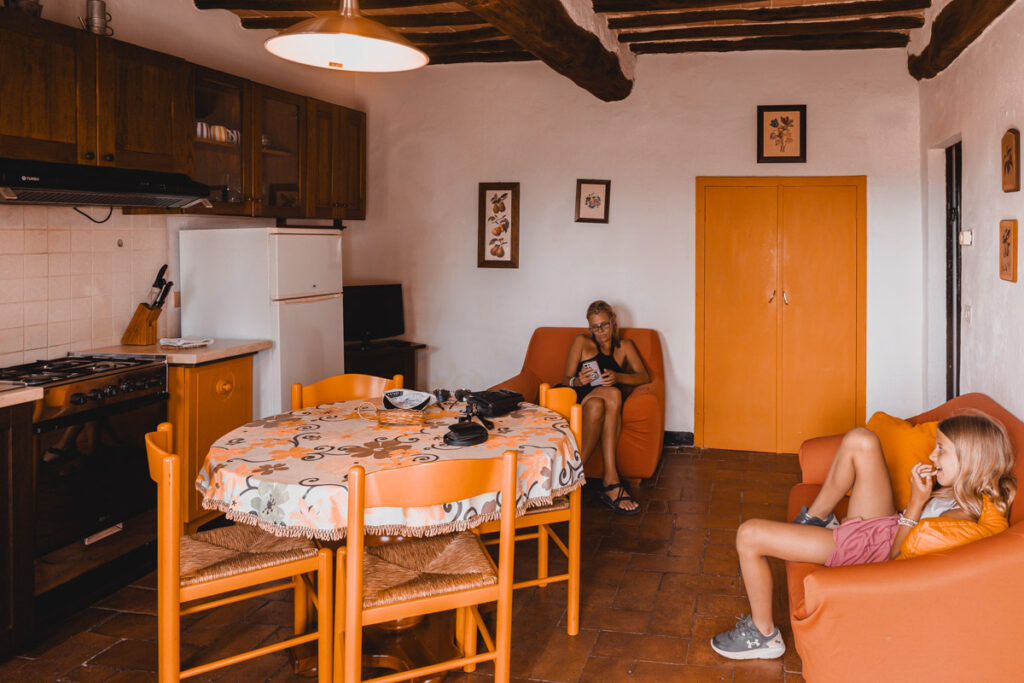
384	359
15	535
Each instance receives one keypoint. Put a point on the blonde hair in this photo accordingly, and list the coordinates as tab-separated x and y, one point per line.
985	459
601	306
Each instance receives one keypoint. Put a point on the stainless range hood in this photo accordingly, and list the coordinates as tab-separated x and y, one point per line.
39	182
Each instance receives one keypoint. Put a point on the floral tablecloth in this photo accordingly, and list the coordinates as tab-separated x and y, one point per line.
287	473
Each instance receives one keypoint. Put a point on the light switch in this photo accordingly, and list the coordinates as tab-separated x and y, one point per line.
967	314
966	238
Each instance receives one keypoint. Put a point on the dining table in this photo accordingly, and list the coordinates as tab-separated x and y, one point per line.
287	473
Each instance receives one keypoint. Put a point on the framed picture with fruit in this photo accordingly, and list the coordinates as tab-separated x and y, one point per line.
498	238
592	198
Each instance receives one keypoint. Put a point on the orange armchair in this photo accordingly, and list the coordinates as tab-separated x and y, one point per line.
643	411
952	615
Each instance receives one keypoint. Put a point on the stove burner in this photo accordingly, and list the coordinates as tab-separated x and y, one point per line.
65	369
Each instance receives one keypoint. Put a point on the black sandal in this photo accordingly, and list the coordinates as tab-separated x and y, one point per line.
614	503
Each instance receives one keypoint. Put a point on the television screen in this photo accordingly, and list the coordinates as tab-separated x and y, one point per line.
373	312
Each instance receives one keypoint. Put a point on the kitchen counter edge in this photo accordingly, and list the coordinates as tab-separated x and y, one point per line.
220	349
13	397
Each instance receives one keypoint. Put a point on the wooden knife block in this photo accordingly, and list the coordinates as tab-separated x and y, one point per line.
141	331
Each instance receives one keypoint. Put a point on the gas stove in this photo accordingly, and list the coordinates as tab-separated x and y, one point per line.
82	383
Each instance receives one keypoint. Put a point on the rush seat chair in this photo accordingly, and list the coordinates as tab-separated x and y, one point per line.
203	570
339	388
562	509
419	576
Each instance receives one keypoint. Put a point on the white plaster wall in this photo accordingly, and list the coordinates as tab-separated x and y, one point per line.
976	100
436	133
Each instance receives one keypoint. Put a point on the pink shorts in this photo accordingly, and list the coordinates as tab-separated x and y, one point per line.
862	541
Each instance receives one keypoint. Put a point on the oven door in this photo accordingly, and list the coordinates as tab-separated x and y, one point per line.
91	473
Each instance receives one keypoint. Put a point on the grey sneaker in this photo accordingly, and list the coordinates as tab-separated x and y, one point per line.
746	642
810	520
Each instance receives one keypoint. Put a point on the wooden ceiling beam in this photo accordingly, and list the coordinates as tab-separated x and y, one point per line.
468	36
545	28
307	5
516	56
849	41
955	27
788	29
605	6
770	14
505	46
395	21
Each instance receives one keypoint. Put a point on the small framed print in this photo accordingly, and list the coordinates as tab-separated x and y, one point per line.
592	198
1008	250
1011	160
782	134
498	232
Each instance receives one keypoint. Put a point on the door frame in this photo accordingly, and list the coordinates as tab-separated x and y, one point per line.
704	182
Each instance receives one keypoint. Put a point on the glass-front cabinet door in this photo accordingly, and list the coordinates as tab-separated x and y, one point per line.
223	138
279	152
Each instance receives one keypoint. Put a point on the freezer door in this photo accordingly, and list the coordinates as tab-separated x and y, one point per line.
306	264
311	342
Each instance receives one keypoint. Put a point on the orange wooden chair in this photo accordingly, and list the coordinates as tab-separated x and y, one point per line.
347	387
563	509
420	576
211	563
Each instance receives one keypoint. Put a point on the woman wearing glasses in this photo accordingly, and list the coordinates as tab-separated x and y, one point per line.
598	364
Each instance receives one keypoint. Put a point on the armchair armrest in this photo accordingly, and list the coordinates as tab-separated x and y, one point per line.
645	399
816	456
526	383
901	612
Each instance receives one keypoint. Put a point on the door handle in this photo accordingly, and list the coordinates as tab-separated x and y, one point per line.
785	297
772	297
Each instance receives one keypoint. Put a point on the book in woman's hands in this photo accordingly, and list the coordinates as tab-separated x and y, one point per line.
592	365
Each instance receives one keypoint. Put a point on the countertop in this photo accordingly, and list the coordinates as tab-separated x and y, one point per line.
15	395
218	350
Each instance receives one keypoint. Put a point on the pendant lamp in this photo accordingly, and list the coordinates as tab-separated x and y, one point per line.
346	41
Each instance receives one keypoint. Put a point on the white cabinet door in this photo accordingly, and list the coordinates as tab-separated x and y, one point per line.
310	341
307	264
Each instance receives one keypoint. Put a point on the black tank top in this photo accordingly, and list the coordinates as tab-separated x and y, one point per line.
604	361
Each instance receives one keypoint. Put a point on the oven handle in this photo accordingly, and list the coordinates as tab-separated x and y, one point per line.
103	411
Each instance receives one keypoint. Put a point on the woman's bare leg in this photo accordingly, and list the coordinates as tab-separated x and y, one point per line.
593	419
610	399
858	464
759	539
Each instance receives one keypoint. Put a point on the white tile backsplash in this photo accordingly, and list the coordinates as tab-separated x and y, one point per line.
66	283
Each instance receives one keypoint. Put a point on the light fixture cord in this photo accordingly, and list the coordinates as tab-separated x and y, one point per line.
349	8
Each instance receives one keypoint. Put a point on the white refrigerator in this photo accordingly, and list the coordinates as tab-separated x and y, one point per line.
282	284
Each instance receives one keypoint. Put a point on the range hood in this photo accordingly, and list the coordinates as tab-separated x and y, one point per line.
39	182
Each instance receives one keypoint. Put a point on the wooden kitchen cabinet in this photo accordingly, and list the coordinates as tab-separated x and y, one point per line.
47	92
207	401
337	162
221	109
15	539
72	97
279	152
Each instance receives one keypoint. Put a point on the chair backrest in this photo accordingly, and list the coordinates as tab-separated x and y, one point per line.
545	357
347	387
1014	428
562	400
432	483
165	470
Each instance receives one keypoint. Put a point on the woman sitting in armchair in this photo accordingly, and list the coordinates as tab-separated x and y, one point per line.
597	365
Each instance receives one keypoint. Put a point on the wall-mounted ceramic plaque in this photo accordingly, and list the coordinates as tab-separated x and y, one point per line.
1008	250
1011	160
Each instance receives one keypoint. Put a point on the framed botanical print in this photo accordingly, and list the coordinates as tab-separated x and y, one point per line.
498	230
782	133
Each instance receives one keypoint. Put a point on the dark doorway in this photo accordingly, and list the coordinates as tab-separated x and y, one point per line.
953	177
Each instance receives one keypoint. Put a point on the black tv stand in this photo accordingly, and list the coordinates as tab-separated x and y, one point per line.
384	359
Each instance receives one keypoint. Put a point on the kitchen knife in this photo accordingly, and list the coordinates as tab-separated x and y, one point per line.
159	303
158	283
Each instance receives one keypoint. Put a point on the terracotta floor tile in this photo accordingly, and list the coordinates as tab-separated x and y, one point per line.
707	521
128	625
638	591
663	564
688	542
721	605
131	599
634	545
722	537
86	674
653	672
672	614
657	525
76	623
686	583
564	656
69	655
652	648
618	620
605	669
757	670
721	560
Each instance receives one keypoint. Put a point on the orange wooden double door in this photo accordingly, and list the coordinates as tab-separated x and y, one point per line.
780	347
